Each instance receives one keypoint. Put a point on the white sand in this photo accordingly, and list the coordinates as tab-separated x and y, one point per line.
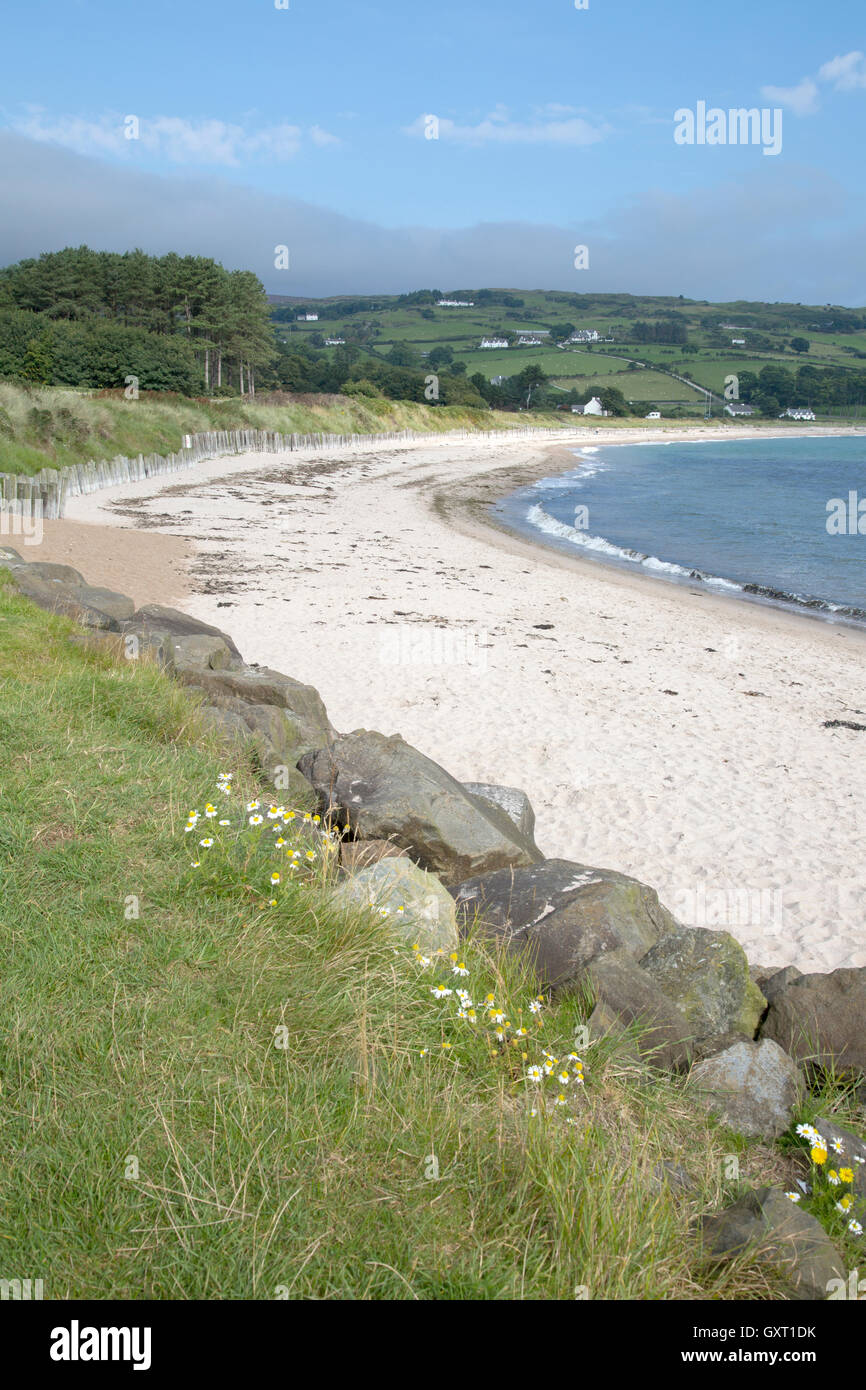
369	577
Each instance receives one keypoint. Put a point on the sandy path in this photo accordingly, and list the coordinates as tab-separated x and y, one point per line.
670	733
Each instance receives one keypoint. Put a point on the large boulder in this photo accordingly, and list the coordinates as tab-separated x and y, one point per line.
270	734
821	1019
514	802
297	721
413	901
753	1087
101	609
564	915
773	982
706	974
383	789
767	1223
632	995
10	557
170	622
53	574
200	652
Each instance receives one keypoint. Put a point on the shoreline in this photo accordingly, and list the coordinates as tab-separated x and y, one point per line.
671	733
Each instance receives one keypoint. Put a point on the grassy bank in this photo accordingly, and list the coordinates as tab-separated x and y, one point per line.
50	427
157	1140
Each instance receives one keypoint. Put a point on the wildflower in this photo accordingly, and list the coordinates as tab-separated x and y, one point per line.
845	1202
459	969
521	1033
290	815
500	1036
446	1045
423	960
794	1196
307	818
496	1016
560	1100
195	864
533	1073
858	1158
471	1015
253	805
310	854
274	812
846	1174
224	822
317	820
206	844
833	1178
440	992
210	811
280	842
535	1007
818	1154
489	999
837	1146
855	1228
273	902
563	1078
384	912
256	820
808	1132
275	878
463	996
400	911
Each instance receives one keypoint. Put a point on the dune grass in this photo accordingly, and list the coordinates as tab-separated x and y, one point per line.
206	1097
53	427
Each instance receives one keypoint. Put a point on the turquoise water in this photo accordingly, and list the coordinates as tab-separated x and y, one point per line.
747	517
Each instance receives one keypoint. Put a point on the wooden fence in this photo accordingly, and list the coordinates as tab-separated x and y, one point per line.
26	499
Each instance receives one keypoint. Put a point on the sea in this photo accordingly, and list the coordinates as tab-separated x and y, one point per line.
779	521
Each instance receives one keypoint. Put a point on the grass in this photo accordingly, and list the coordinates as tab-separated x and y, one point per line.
158	1144
51	427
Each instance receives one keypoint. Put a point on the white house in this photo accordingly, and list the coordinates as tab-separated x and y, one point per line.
797	412
335	342
455	303
308	318
494	343
584	335
738	342
740	409
593	407
653	415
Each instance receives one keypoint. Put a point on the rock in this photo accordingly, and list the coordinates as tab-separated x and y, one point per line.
706	974
66	600
119	606
603	1023
853	1147
632	994
417	904
267	730
199	652
822	1019
564	915
514	802
302	723
10	557
154	617
773	982
386	790
53	574
753	1087
360	854
780	1233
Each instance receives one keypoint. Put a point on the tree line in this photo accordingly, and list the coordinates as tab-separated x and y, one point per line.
85	315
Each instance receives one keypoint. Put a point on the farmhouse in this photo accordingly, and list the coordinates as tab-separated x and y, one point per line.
494	343
797	412
584	335
335	342
738	342
739	409
593	407
308	318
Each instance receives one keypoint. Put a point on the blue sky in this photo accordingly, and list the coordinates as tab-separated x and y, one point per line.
305	126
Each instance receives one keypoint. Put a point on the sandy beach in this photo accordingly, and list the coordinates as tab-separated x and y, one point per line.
664	731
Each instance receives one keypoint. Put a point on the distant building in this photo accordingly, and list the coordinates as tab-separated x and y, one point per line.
797	412
494	343
497	380
739	409
532	337
335	342
653	415
308	318
738	342
584	335
593	407
455	303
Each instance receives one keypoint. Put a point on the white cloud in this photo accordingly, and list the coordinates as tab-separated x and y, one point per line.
498	128
802	99
846	72
175	139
